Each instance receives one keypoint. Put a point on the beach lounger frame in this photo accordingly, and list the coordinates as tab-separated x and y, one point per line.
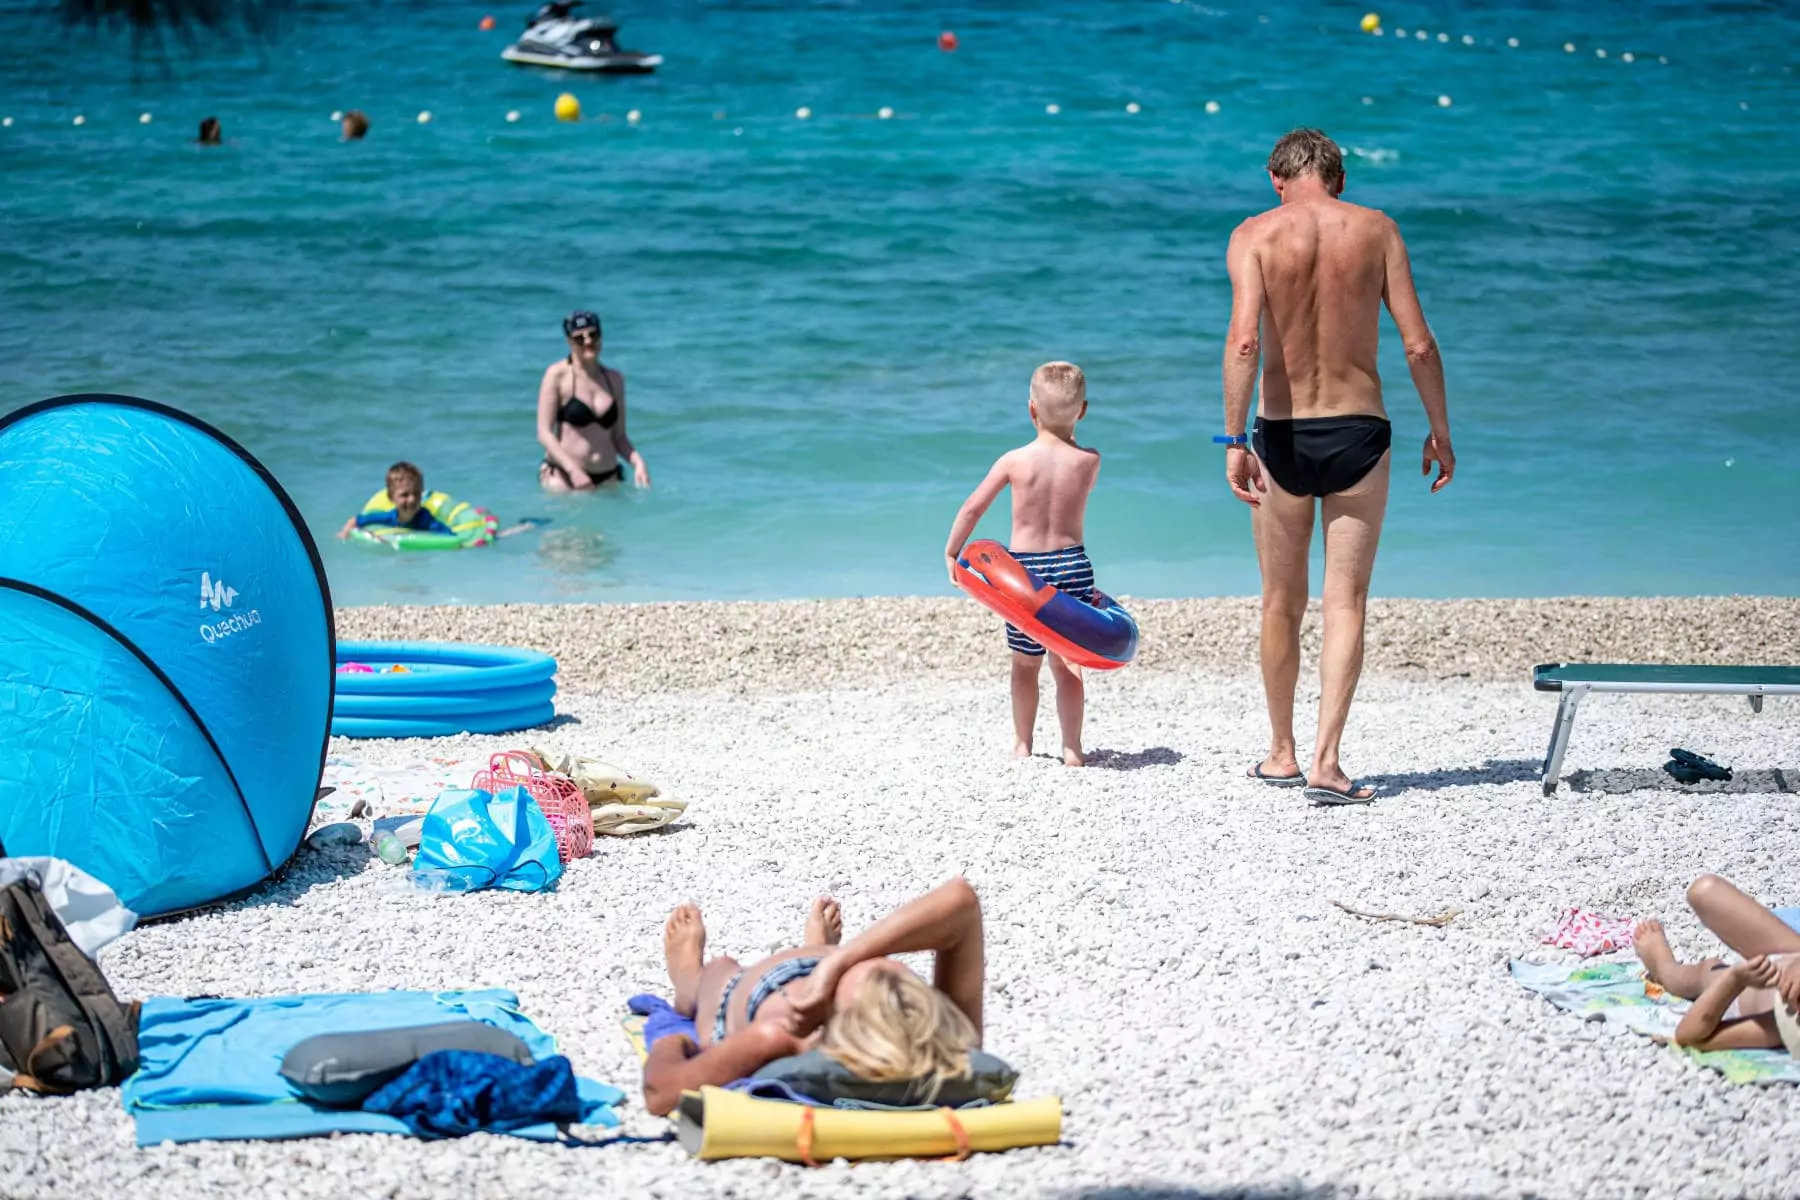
1575	680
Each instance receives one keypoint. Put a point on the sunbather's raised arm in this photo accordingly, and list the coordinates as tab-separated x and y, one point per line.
676	1065
946	920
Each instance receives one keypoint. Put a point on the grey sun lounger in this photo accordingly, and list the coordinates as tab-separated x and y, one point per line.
1576	680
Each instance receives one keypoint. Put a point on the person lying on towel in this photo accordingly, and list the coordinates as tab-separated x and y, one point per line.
1749	1005
848	999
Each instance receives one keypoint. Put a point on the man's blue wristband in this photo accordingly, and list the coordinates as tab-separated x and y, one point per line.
1231	439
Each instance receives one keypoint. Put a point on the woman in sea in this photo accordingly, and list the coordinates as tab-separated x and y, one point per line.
849	999
581	416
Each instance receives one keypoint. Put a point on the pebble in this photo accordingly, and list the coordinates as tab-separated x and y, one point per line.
1161	933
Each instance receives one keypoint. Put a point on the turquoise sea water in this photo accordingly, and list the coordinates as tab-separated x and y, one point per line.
828	325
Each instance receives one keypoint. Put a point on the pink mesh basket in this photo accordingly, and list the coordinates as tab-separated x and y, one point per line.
561	801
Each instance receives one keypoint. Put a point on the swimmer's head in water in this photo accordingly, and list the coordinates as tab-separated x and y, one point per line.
900	1027
582	328
406	488
356	125
209	132
1308	152
1058	396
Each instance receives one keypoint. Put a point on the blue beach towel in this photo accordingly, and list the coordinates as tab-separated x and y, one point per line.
210	1070
453	1093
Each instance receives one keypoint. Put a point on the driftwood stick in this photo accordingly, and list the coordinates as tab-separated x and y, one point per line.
1437	922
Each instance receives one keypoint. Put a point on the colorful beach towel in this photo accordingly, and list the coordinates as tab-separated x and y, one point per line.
1590	933
1617	994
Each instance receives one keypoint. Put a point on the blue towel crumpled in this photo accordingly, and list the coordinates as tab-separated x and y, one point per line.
452	1093
661	1020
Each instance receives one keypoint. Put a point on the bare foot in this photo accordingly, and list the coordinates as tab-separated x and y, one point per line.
824	923
1662	968
1021	750
684	946
1073	758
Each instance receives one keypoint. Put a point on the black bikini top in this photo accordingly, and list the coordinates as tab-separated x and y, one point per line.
576	413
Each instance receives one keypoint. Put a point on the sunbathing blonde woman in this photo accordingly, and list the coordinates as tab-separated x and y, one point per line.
849	999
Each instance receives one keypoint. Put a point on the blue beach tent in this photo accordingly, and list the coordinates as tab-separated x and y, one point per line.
165	653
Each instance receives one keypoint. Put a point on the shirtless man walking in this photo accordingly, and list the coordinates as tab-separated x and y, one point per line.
1308	279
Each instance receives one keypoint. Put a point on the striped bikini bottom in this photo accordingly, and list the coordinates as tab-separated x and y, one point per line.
788	970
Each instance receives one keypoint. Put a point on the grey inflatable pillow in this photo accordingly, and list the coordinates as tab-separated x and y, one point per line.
341	1070
827	1080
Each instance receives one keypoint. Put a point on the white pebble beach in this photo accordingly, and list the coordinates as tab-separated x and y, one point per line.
1164	951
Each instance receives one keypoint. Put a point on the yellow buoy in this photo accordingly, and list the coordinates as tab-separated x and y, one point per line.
568	108
1371	22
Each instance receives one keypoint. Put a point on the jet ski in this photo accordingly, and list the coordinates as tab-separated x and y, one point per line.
554	38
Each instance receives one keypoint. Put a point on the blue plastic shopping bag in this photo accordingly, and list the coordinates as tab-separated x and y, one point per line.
473	840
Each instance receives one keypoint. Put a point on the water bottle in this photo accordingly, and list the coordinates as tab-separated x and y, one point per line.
390	849
343	833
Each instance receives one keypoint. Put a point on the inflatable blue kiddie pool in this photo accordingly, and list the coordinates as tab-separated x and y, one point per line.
435	689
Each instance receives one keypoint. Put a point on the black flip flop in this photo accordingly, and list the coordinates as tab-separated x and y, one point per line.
1325	795
1687	767
1294	780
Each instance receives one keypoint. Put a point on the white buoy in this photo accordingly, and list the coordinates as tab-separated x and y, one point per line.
1513	42
1468	40
1443	102
1368	99
337	116
1399	33
144	118
1568	47
1133	108
803	112
5	122
1744	104
1422	36
885	113
1053	109
738	131
1662	60
1212	106
425	117
634	116
512	116
1599	54
1378	31
1628	56
80	120
1443	37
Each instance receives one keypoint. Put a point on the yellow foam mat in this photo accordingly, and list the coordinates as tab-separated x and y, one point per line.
714	1123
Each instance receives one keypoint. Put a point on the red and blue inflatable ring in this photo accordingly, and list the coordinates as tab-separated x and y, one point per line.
1101	636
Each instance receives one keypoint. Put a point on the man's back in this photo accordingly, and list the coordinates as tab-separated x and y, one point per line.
1323	266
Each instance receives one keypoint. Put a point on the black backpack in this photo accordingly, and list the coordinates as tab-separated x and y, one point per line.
61	1027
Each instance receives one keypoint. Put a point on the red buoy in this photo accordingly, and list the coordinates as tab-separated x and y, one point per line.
487	23
946	41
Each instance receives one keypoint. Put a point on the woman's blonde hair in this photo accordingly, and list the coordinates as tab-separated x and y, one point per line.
900	1027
